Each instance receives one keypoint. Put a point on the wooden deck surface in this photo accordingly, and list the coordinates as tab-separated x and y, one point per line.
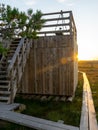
32	122
88	116
8	107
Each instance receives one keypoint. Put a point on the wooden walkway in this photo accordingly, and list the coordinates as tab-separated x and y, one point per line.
29	121
88	115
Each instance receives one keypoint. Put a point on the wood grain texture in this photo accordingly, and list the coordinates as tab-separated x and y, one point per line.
55	68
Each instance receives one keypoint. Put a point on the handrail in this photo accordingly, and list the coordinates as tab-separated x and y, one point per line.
61	12
15	54
88	114
16	66
66	21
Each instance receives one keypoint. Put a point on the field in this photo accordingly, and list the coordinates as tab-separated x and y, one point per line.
91	69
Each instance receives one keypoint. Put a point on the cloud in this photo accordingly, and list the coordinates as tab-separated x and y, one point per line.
30	2
71	4
61	1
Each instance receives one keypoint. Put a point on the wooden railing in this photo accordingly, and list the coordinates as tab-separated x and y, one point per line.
88	115
16	66
63	20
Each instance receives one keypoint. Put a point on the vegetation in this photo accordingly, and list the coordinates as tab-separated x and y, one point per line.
94	88
69	112
15	23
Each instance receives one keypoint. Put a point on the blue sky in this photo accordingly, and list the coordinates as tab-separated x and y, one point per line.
85	14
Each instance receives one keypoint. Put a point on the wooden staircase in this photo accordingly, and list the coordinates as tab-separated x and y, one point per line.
12	67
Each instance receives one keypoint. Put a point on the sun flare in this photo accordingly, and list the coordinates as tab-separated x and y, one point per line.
87	56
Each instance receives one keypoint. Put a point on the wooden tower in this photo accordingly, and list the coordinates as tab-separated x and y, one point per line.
52	66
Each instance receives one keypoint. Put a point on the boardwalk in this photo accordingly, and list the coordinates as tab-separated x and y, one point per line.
34	122
29	121
88	115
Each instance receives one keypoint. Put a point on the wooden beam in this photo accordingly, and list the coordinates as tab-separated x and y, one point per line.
61	12
84	114
55	25
56	19
51	32
88	115
33	122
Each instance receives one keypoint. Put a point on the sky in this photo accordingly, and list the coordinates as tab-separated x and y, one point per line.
85	14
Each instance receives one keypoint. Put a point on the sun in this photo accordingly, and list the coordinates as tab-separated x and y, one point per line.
85	55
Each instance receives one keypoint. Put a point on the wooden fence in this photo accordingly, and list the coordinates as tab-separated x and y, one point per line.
51	68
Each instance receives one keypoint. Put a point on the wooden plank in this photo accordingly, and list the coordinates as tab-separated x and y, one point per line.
60	71
56	13
47	32
8	107
54	25
92	114
88	116
33	122
55	19
84	115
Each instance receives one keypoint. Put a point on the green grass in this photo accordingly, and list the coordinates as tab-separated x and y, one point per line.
94	88
69	112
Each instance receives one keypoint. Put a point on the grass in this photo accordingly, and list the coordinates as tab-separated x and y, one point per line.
69	112
94	88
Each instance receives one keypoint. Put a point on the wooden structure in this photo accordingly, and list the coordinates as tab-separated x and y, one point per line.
33	122
46	66
52	67
12	68
88	115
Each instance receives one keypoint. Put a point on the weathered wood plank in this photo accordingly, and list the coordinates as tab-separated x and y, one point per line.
8	107
84	115
88	117
92	114
53	13
33	122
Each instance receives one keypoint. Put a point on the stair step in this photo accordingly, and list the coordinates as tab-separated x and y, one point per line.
3	76
13	49
15	42
2	72
17	39
4	98
4	86
3	68
14	45
3	63
4	82
5	92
